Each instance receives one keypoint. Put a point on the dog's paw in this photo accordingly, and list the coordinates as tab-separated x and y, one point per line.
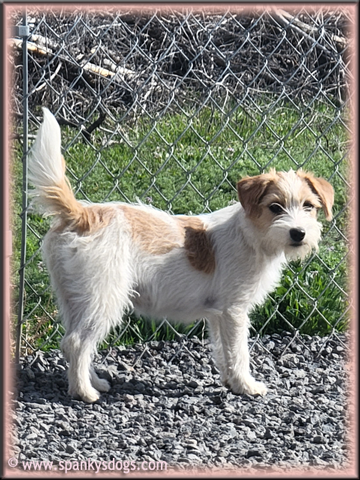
91	397
99	383
256	388
102	385
88	396
249	386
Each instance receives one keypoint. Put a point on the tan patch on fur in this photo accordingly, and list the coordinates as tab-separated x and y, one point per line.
158	236
94	217
73	215
197	244
185	221
150	232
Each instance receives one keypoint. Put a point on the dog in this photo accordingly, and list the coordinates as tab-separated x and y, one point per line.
106	259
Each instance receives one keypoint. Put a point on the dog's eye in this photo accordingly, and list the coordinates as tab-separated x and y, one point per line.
276	208
308	206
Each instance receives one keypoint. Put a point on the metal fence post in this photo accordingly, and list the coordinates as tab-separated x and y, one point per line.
23	31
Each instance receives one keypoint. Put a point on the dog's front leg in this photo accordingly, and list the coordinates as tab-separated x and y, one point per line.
234	331
217	347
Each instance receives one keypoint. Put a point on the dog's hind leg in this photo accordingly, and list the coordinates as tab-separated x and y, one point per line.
98	383
78	348
92	296
87	320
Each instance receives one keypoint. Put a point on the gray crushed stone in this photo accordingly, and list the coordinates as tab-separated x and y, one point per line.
169	405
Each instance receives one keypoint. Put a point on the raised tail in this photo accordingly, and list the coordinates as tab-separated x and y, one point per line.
52	194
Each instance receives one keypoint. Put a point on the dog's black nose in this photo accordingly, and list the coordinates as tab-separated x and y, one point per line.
297	234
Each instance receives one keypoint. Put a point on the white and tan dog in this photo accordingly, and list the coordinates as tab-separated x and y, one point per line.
105	259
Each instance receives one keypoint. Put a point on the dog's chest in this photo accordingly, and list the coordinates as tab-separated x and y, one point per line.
266	277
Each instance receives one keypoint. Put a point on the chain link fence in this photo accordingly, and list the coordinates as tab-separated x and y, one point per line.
173	107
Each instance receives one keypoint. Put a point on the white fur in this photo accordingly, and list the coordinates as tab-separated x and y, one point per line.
98	277
46	167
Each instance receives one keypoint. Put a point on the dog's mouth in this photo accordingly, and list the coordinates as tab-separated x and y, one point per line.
297	250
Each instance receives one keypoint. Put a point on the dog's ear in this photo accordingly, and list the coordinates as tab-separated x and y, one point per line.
323	189
252	189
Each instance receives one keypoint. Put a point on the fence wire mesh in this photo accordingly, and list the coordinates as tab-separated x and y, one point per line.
173	107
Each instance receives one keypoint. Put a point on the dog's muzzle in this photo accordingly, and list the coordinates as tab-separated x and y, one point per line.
297	235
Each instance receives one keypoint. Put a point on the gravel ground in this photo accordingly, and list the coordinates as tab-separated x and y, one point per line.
169	405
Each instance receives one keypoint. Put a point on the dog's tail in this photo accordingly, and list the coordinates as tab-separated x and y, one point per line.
52	194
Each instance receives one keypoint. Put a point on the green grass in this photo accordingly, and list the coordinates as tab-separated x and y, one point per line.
190	163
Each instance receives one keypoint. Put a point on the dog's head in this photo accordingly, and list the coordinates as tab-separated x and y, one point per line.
283	207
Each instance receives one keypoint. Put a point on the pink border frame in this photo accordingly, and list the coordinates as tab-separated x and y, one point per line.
352	471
